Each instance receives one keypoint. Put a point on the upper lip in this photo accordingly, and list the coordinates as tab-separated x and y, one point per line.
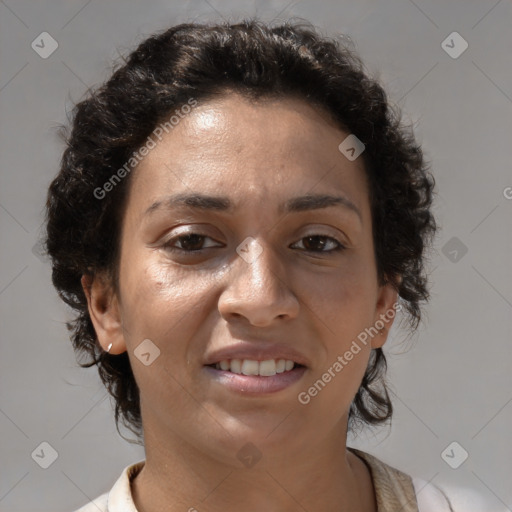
258	351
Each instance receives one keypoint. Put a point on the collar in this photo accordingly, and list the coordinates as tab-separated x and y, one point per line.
120	496
392	487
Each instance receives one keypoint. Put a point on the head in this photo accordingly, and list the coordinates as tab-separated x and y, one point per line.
254	115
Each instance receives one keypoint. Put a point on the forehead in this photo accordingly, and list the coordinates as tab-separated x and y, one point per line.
235	146
248	127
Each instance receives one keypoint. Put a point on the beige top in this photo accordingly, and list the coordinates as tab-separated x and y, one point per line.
395	491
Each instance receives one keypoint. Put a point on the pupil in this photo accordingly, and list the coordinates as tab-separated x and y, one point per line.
315	238
188	241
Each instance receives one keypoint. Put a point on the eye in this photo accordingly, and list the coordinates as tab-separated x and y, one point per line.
189	243
321	241
193	243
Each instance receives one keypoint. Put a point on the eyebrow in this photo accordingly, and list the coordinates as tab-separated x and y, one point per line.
224	204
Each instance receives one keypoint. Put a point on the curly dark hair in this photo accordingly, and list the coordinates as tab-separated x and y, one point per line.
256	60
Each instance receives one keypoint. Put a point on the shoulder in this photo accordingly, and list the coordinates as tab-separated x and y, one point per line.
119	498
429	497
393	487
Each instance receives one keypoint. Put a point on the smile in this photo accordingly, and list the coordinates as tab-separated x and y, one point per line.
250	376
266	368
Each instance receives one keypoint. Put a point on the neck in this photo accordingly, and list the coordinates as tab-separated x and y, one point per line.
322	476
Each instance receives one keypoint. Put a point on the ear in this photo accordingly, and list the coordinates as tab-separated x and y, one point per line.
385	313
104	311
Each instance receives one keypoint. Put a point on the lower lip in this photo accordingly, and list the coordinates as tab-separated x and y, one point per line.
255	384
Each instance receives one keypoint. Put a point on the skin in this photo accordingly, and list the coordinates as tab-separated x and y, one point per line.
259	155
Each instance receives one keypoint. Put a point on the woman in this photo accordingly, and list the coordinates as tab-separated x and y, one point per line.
238	218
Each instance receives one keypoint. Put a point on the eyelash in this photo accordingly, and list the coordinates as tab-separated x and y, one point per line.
168	245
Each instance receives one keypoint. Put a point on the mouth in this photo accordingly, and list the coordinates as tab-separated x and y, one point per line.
253	377
267	368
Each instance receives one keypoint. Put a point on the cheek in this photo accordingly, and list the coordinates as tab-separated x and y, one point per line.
165	307
348	310
158	302
347	304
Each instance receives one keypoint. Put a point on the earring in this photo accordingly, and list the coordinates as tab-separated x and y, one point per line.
109	347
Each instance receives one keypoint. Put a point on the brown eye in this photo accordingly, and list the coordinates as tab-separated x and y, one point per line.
317	243
189	242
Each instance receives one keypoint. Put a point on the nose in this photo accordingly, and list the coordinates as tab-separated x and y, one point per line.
258	288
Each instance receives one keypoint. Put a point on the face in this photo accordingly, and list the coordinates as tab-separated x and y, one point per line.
255	274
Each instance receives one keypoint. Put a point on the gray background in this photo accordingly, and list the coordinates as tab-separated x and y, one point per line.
452	381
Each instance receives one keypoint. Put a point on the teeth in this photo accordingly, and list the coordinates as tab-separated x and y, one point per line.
236	366
250	367
266	368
